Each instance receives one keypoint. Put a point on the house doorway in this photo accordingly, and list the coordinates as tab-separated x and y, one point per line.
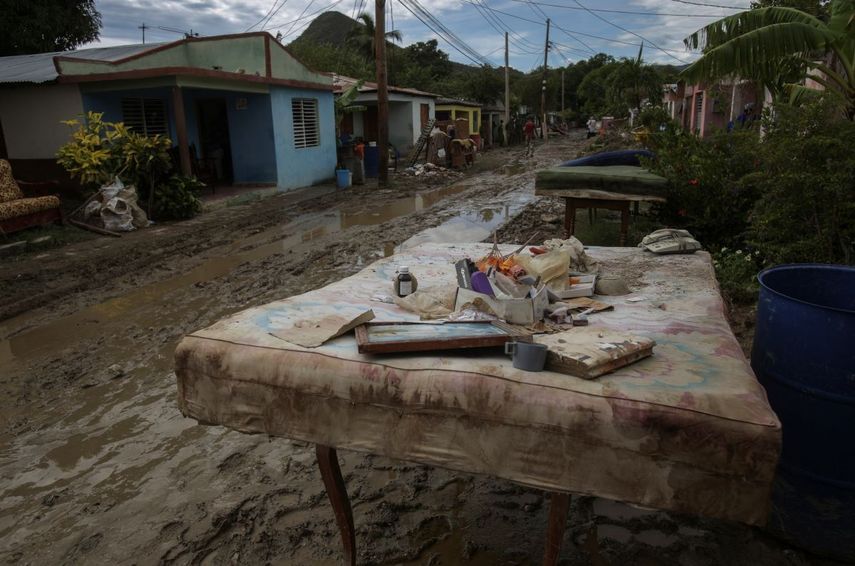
425	114
215	152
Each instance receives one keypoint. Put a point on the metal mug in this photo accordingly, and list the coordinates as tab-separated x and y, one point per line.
527	356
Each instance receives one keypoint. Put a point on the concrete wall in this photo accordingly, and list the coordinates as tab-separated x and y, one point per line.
302	167
250	130
250	133
31	118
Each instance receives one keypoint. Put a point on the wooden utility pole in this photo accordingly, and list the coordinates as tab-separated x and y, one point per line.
507	94
382	91
562	92
543	86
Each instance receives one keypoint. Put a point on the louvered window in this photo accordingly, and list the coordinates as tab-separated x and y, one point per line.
306	126
145	116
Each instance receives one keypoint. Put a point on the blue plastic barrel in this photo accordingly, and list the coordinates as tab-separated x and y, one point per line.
804	355
372	161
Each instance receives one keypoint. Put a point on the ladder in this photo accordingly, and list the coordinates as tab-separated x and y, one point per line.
420	143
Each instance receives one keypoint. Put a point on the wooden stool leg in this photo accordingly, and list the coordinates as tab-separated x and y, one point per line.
559	506
624	223
334	484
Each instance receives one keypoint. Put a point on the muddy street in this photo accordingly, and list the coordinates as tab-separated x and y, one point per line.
99	466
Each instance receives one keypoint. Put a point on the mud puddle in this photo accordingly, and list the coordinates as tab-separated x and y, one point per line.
294	238
475	225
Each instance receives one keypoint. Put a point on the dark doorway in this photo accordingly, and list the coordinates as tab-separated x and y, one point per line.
425	115
3	153
369	124
215	152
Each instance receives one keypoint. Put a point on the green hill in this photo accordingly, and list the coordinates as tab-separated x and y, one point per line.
328	28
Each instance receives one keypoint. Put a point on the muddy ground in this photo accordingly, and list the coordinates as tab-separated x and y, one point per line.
99	467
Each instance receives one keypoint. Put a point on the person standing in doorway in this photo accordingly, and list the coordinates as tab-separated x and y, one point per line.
528	132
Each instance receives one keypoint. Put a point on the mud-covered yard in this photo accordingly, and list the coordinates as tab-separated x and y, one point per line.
99	467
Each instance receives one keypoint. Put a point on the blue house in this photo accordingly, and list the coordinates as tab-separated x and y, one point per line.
238	106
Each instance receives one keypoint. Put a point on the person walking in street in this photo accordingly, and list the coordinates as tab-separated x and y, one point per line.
528	131
592	127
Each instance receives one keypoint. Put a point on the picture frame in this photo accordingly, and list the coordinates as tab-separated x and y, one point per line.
392	337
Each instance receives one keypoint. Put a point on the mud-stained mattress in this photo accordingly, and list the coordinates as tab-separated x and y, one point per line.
628	181
688	429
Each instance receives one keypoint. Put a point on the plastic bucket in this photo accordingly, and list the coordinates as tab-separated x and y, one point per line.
342	178
804	355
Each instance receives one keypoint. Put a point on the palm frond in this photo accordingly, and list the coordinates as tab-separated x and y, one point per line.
726	29
754	53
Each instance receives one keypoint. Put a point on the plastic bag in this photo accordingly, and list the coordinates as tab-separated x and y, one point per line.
430	303
552	267
116	216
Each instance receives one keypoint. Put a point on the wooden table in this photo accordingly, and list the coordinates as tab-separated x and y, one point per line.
688	429
611	187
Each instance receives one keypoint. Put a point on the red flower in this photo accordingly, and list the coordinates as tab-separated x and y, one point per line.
694	182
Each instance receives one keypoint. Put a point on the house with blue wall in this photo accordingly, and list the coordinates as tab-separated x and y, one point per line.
240	106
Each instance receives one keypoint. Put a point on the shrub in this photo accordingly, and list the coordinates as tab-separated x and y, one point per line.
736	271
704	190
806	211
178	198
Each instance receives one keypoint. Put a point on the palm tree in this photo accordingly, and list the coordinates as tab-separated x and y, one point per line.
361	37
777	46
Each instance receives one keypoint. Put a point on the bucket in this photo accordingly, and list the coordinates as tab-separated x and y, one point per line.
342	178
804	355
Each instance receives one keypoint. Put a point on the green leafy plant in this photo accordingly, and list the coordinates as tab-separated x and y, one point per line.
178	198
806	209
736	271
94	153
704	190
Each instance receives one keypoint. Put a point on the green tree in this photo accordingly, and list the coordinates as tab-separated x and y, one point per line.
362	37
776	45
40	26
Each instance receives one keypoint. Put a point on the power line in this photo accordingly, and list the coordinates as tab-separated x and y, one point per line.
436	26
639	36
306	17
276	11
709	5
633	12
484	11
263	17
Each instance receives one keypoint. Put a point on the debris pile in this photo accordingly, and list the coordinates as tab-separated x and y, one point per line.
114	208
430	170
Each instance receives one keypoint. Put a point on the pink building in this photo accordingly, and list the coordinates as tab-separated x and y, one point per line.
703	108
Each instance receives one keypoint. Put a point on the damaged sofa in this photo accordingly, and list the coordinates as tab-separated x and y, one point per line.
18	212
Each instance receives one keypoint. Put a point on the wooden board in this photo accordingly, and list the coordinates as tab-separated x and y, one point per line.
389	337
589	352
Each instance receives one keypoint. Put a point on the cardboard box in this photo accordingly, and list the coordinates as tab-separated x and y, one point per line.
514	311
584	288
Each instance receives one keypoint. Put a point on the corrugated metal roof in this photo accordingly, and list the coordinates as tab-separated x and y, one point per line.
39	67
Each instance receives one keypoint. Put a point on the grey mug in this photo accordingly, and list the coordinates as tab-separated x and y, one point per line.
527	356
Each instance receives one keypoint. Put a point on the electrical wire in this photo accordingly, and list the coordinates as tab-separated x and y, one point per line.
306	17
309	5
436	26
264	17
633	12
639	36
276	11
710	5
501	27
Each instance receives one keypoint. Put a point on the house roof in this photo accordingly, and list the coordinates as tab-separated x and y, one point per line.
40	68
457	102
247	57
342	83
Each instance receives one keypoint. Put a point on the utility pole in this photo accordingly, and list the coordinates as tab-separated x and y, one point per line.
507	94
143	28
382	91
543	86
562	92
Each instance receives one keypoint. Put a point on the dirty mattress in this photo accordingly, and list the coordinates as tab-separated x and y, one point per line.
688	429
623	179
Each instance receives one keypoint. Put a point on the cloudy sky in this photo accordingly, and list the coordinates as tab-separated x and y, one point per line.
479	24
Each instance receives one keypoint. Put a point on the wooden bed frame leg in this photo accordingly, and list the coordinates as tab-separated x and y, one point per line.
624	223
559	506
569	217
334	484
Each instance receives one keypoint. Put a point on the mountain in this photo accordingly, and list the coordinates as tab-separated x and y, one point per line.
330	27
